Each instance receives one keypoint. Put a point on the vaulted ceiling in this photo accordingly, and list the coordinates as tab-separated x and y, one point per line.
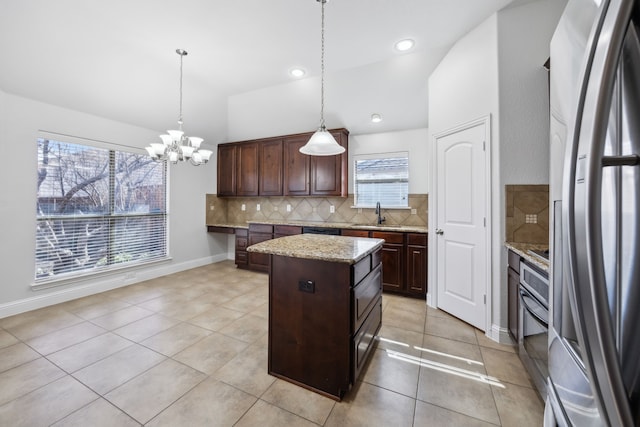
117	58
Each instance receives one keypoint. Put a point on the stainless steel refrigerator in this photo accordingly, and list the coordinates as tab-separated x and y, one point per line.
594	331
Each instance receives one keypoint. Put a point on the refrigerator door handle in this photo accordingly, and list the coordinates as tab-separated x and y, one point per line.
629	160
584	218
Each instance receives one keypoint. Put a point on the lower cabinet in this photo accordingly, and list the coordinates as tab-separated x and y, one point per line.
241	247
320	337
404	260
259	233
417	264
393	265
513	294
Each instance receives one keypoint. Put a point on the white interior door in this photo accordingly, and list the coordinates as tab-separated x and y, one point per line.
461	233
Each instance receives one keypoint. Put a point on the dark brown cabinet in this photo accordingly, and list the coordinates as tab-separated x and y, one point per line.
226	170
247	172
328	174
513	293
296	167
276	167
242	241
404	260
286	230
259	233
321	336
270	177
417	263
393	254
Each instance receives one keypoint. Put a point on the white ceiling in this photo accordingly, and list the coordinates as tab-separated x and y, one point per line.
117	58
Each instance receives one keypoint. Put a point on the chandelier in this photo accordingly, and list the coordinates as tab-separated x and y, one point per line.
322	143
176	146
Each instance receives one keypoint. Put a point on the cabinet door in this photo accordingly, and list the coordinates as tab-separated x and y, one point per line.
258	262
513	297
226	170
247	169
241	247
328	173
393	267
271	168
417	270
296	167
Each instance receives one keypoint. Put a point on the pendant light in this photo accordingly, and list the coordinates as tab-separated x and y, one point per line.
322	143
176	146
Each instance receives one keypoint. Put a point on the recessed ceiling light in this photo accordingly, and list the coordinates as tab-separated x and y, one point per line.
376	118
404	45
297	72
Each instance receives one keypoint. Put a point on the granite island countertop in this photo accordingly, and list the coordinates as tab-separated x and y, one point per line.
319	247
522	249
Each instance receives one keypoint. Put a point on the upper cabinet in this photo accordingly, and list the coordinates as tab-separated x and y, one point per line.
275	167
247	168
270	177
226	170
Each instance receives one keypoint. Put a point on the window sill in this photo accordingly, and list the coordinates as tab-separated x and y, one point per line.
70	280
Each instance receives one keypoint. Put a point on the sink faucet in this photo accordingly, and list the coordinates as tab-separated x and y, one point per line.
381	219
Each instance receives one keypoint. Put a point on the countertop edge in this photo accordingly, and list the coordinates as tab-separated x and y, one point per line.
279	247
343	225
522	248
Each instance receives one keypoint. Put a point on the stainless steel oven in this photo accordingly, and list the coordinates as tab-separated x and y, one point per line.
534	324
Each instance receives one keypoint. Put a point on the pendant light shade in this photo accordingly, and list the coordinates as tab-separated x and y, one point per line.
322	143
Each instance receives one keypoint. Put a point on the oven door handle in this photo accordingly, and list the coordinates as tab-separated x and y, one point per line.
524	296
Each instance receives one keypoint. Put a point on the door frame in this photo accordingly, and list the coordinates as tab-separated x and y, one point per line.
432	294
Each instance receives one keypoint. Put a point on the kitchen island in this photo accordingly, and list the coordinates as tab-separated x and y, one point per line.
325	308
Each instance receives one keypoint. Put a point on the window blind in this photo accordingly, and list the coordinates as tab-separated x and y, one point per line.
97	209
383	179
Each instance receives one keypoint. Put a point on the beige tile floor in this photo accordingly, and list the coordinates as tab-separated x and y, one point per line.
190	349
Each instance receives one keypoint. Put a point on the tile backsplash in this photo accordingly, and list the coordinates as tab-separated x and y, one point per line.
313	209
527	214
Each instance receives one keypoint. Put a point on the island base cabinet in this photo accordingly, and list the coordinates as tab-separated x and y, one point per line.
312	341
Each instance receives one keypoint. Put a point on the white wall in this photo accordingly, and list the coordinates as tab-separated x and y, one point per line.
496	70
190	244
351	96
414	141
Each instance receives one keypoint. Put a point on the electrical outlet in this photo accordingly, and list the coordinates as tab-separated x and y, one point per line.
211	207
258	207
359	210
288	208
332	209
414	211
243	207
275	208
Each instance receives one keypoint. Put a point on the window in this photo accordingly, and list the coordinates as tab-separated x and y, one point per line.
97	209
382	178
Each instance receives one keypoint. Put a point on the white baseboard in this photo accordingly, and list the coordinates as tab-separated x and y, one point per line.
101	284
499	334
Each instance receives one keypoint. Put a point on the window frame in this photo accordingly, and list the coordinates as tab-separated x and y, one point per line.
110	215
380	156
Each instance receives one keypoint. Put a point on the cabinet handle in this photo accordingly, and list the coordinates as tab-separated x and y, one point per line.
439	231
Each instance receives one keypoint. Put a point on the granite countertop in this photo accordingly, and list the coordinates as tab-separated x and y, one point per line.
522	249
346	225
319	247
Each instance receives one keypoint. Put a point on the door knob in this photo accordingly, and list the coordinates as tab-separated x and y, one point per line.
439	231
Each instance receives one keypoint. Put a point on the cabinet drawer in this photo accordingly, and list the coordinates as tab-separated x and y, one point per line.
241	258
364	338
365	295
260	228
376	258
241	243
354	233
287	230
514	261
388	236
361	269
242	232
416	239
